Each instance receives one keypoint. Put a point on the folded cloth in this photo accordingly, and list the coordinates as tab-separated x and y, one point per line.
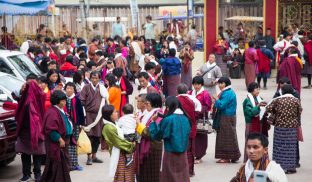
9	106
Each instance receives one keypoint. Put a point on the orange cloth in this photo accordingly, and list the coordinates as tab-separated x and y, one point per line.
115	97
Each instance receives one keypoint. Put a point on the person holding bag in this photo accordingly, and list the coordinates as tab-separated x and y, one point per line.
201	140
211	72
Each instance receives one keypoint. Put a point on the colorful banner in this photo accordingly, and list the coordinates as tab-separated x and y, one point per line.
174	10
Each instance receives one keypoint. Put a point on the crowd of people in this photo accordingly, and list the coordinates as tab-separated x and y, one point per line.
87	85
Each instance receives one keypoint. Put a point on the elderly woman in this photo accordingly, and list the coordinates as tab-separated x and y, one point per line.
187	56
224	123
118	146
201	140
174	129
58	132
148	152
286	110
251	106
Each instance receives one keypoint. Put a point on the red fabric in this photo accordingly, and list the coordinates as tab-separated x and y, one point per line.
292	69
32	98
72	114
53	56
187	62
263	62
47	102
67	67
53	121
270	16
145	145
9	106
211	26
189	108
123	97
63	57
308	50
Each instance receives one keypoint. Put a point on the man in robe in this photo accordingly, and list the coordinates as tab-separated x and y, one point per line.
29	119
93	96
251	57
145	85
291	67
258	159
189	105
264	63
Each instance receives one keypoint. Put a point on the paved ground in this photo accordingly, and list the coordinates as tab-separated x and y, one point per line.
208	170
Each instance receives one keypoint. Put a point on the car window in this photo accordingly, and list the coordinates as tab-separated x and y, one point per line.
24	65
5	68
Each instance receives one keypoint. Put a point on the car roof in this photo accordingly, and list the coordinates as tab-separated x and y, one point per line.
6	53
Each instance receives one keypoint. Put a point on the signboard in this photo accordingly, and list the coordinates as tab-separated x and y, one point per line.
174	10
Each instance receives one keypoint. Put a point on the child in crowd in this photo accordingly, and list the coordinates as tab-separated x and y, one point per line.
127	123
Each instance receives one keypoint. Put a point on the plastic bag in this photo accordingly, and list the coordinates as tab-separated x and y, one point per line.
83	143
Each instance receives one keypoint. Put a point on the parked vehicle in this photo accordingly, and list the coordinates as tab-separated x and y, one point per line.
9	84
17	64
7	135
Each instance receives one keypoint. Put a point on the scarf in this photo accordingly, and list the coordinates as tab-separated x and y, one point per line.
253	102
144	90
31	103
198	106
113	163
209	65
297	59
118	55
194	93
137	50
261	165
148	116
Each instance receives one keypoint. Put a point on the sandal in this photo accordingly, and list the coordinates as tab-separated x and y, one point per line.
223	161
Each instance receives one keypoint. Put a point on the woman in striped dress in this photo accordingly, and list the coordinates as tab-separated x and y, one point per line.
286	110
118	147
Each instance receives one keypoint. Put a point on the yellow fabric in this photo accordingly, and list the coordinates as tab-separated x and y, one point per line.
83	143
300	62
114	97
140	128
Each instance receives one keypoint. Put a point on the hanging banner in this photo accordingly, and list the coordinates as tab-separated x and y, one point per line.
173	10
134	12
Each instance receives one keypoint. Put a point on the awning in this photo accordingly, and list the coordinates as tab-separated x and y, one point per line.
244	18
102	19
179	17
17	7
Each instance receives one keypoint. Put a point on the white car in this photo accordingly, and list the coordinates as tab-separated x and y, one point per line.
17	64
9	84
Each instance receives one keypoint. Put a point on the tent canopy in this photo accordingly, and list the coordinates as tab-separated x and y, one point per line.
16	7
245	18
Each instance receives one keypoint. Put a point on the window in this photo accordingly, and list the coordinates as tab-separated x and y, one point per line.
5	68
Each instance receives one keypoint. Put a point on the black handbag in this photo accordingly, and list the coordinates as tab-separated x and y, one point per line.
204	125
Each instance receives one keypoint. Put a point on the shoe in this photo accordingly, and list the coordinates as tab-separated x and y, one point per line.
96	160
265	88
89	162
129	161
307	87
298	165
25	179
234	160
37	178
77	168
291	171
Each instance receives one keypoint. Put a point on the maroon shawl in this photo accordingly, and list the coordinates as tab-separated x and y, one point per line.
308	50
189	108
292	69
53	121
32	102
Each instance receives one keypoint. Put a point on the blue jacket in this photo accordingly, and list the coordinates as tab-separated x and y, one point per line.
227	103
174	130
170	66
